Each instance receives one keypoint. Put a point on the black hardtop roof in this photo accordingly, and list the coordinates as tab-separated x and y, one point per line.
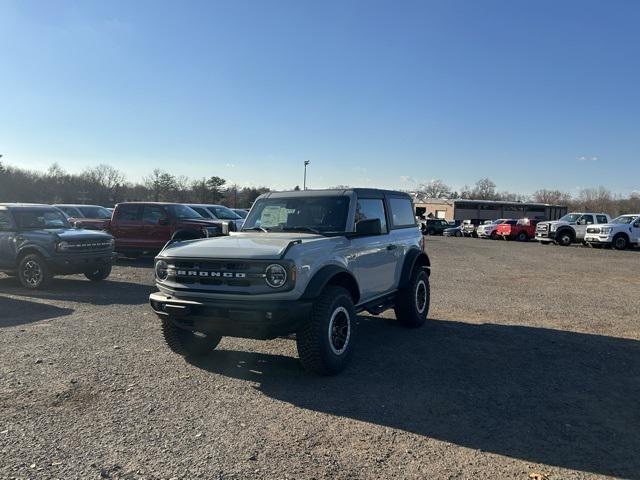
336	192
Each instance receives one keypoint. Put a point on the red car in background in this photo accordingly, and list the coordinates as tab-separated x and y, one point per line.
523	230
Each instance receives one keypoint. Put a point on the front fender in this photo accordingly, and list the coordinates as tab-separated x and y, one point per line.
323	276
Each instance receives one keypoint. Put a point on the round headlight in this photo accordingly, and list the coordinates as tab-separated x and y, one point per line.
162	270
62	246
275	275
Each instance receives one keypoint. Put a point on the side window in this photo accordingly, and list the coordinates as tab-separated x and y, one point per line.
153	214
127	213
586	219
401	212
368	208
202	211
601	218
5	220
637	223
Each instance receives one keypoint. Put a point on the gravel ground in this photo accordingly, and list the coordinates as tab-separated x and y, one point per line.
530	363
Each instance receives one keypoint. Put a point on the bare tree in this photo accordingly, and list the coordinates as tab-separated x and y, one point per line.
485	189
435	189
553	197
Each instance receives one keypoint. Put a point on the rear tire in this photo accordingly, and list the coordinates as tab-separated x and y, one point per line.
522	237
99	273
412	304
33	272
324	342
187	343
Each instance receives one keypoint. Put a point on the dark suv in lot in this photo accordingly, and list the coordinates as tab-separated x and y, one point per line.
37	242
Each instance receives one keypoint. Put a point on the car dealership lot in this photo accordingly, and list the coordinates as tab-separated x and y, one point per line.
530	364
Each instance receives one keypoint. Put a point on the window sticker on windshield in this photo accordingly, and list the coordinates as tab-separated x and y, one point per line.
271	216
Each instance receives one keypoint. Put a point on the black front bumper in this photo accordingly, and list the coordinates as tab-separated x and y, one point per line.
68	264
233	318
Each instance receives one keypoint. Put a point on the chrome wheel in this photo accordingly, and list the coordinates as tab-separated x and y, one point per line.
32	273
421	296
339	330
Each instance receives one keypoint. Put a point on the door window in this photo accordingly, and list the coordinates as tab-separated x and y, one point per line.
402	212
202	211
127	213
586	220
368	208
601	218
151	215
5	220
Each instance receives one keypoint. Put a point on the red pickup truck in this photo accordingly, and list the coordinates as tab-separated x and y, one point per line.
140	227
523	230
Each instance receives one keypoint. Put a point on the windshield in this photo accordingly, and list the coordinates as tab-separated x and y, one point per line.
40	218
223	213
624	219
570	217
95	212
303	214
183	212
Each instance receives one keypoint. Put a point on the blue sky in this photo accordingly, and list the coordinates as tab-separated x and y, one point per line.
529	93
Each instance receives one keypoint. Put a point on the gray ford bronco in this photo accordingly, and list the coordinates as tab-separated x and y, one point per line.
305	263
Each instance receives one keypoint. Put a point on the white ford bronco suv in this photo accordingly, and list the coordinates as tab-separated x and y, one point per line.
568	229
620	233
305	262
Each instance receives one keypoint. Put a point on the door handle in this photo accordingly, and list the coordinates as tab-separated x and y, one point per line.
392	247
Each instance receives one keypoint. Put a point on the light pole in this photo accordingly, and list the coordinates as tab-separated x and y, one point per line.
304	184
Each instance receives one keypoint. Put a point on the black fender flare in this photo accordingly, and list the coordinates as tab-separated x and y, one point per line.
414	258
331	274
30	248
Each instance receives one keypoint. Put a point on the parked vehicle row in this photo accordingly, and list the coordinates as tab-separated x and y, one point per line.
596	229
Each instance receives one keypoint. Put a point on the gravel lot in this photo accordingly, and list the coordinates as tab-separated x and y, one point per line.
531	363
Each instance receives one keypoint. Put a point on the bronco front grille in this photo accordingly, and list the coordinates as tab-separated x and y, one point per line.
89	245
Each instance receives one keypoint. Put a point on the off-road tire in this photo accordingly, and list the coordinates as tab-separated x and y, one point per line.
33	272
314	338
99	273
407	309
186	343
620	242
564	238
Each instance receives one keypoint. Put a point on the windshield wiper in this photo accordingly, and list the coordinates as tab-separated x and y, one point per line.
259	229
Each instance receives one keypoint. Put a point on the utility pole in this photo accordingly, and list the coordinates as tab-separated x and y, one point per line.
304	183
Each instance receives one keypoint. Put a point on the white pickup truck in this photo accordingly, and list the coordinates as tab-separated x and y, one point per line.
569	229
620	233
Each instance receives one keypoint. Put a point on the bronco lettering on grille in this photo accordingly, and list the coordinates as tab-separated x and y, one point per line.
204	273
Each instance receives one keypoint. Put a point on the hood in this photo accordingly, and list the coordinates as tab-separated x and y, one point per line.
80	234
253	245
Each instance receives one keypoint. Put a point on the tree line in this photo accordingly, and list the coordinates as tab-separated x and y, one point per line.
597	199
105	185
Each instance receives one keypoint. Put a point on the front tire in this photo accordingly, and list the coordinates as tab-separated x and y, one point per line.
412	304
99	273
620	242
33	272
522	237
325	341
188	343
458	234
564	238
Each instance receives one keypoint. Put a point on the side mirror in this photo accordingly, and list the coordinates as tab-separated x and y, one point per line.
370	226
163	221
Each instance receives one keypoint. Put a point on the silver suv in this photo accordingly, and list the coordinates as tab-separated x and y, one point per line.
305	263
